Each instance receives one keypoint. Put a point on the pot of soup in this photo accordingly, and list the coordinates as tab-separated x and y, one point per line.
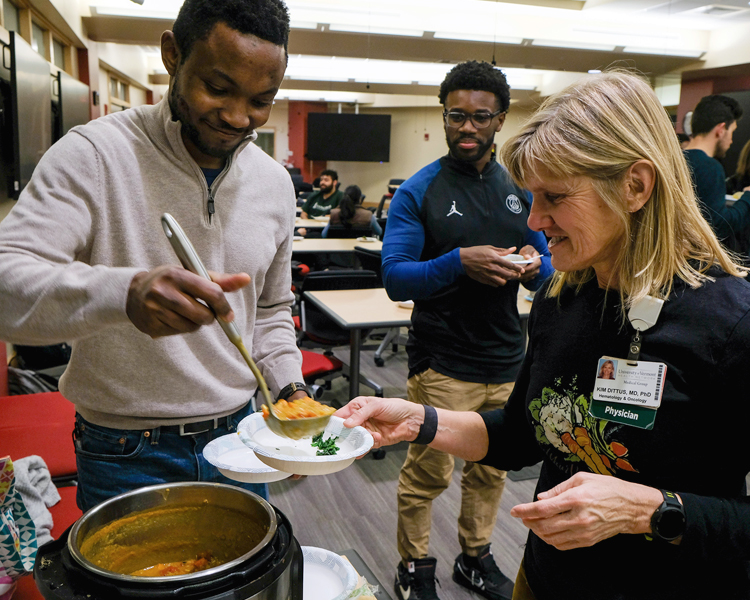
184	540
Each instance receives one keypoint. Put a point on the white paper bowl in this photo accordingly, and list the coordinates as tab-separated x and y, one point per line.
236	461
298	456
518	259
328	576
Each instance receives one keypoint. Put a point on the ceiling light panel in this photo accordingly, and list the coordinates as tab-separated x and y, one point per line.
664	51
329	68
472	37
369	29
161	9
609	24
573	44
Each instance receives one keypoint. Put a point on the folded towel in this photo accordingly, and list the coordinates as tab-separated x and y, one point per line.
34	483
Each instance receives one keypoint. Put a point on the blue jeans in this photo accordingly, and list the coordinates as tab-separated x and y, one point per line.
114	461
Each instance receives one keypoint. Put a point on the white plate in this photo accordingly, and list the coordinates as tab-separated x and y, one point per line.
238	462
298	456
519	259
367	239
327	575
406	303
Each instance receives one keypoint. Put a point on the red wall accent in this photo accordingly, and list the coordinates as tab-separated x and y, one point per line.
690	94
693	90
88	73
298	112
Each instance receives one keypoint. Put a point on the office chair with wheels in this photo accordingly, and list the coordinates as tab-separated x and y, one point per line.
371	259
393	185
317	330
318	367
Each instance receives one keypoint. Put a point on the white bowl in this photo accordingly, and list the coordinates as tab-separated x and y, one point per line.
236	461
328	576
519	259
299	456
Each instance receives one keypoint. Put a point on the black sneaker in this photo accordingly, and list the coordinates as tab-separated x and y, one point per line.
481	575
417	581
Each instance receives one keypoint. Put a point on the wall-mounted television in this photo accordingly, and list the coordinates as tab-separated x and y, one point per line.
29	116
348	137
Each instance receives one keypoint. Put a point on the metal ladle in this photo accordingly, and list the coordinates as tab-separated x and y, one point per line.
290	428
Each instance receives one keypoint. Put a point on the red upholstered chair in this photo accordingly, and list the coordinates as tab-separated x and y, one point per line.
317	328
317	367
40	424
3	370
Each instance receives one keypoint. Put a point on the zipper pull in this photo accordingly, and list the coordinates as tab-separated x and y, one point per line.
211	208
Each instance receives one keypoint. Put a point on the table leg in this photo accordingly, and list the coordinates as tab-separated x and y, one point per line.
355	342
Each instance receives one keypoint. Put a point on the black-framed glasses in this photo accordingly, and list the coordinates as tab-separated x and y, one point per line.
480	120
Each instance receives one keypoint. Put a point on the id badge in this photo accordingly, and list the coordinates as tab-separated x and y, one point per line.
628	393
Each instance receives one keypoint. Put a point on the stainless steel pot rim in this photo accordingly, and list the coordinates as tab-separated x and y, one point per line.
72	542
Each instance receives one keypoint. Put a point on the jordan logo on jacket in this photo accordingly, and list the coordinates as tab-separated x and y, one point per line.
454	211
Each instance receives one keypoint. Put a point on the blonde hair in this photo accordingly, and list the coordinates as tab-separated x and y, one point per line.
598	128
743	162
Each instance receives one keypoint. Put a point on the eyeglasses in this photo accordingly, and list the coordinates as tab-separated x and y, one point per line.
480	120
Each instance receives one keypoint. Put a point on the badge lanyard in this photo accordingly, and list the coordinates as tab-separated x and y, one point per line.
642	316
629	390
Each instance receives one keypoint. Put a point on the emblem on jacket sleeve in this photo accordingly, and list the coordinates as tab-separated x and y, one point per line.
513	204
454	211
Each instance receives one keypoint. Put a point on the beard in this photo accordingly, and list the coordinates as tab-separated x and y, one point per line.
469	156
179	107
720	151
326	188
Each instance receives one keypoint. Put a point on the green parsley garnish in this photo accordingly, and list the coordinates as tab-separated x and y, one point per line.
325	447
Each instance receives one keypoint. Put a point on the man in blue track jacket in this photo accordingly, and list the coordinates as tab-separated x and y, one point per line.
450	228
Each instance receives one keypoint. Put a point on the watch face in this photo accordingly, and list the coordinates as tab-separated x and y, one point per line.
671	523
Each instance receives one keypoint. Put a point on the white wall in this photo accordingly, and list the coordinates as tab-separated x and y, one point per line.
131	60
728	46
279	123
71	11
137	96
409	149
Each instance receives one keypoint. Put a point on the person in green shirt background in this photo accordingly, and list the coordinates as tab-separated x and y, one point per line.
320	203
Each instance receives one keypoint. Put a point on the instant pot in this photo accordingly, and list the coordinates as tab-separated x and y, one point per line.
260	558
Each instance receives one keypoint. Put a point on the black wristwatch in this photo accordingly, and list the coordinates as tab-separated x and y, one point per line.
668	521
290	389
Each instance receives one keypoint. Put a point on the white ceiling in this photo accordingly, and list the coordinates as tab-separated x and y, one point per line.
405	47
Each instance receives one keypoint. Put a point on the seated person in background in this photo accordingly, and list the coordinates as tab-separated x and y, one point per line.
320	203
740	181
351	215
714	122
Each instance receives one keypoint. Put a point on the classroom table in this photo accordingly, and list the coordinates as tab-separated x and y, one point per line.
333	245
318	223
356	310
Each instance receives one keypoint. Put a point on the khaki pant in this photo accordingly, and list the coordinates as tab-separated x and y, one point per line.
427	472
521	590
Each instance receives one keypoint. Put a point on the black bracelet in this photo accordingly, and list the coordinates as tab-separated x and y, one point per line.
293	388
428	429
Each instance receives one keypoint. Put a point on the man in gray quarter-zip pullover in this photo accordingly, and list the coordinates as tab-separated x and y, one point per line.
83	257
